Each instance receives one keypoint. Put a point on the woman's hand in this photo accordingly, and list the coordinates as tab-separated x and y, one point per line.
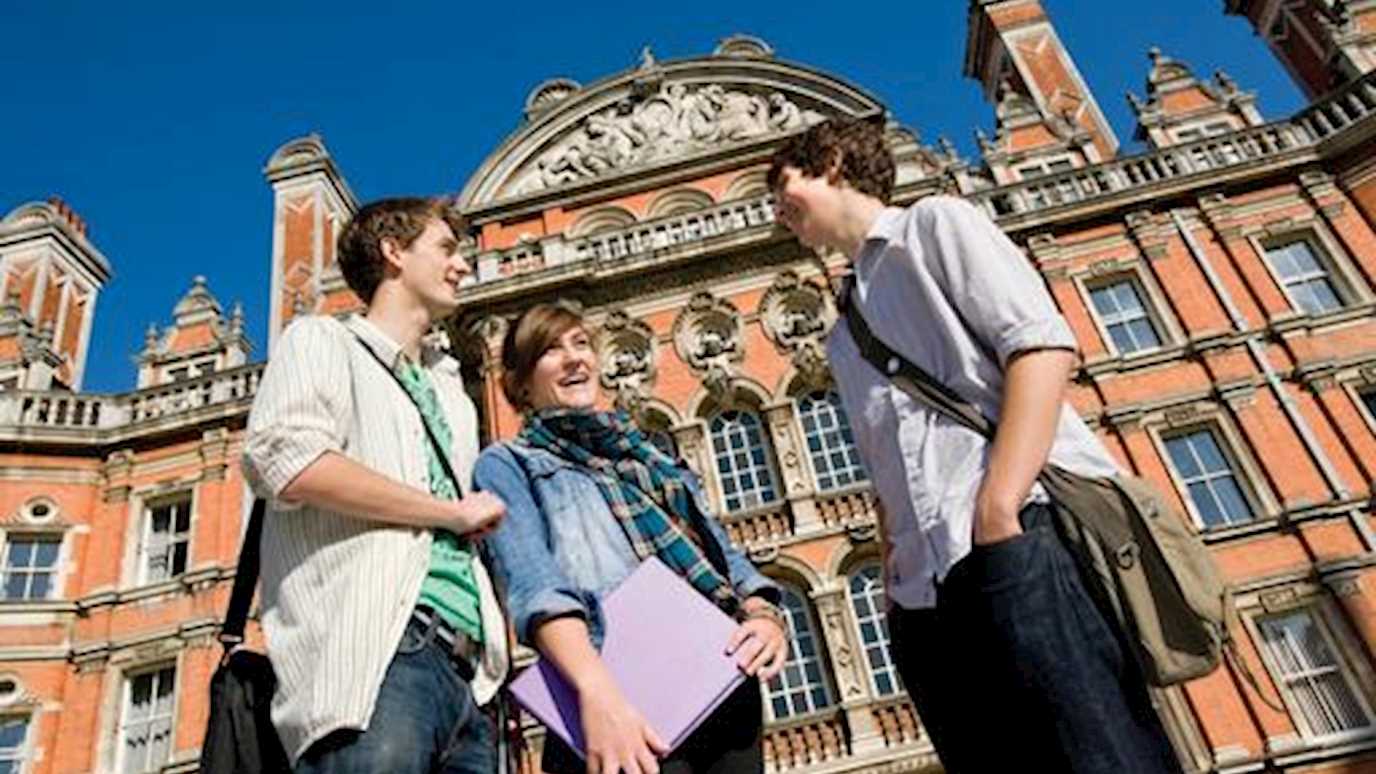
616	735
760	644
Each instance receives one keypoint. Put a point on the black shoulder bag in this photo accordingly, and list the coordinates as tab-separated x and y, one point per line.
239	735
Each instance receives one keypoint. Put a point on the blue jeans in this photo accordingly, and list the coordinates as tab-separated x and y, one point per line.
424	720
1016	669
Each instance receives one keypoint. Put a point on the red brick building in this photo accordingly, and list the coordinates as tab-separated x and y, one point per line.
1221	282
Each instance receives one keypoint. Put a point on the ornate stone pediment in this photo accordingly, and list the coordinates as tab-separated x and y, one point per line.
708	337
628	362
677	120
796	316
658	113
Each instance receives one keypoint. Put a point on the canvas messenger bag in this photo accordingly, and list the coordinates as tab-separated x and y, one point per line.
1139	556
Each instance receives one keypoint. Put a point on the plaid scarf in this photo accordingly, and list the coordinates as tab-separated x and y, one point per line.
643	486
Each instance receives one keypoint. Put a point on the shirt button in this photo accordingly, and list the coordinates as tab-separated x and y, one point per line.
892	365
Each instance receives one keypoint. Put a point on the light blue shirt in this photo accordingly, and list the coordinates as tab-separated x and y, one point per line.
944	287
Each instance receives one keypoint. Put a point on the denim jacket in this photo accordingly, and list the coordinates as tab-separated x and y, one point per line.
560	548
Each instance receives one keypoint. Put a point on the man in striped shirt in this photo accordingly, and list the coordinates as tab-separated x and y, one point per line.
380	620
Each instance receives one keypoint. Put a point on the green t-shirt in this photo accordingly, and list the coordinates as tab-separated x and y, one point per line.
449	586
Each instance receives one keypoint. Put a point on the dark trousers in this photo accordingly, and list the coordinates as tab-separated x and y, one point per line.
424	722
1016	669
728	742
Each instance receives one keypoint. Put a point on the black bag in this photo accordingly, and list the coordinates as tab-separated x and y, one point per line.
239	735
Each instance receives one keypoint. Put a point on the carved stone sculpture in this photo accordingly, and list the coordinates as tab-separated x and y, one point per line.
674	120
628	359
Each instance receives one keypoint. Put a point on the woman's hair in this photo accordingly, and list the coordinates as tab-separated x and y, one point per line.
527	339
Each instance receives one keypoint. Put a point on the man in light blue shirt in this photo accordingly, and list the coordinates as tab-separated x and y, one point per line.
1010	663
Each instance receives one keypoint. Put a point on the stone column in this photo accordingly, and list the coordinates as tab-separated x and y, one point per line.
848	667
795	472
691	440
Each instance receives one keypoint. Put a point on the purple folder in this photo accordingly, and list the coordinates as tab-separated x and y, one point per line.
666	646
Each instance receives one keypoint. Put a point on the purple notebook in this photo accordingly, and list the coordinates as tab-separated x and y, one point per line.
666	646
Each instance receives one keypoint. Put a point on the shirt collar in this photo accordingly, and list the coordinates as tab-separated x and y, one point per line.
432	353
887	226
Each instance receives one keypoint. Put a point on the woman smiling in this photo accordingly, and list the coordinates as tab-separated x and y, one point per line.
588	498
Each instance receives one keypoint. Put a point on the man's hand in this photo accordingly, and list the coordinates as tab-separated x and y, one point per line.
995	522
477	514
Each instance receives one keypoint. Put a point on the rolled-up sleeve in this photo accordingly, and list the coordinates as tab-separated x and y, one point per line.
995	289
537	590
301	410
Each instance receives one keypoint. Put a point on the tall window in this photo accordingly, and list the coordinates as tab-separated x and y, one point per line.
146	725
166	538
867	602
13	745
30	565
743	460
1124	317
801	687
1209	478
1320	691
1304	276
830	442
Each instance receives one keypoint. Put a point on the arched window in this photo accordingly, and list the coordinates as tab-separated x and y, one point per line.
744	460
830	442
802	686
867	602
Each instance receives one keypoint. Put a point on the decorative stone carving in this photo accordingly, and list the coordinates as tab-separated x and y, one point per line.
628	366
707	336
743	47
831	609
796	316
479	341
549	94
675	120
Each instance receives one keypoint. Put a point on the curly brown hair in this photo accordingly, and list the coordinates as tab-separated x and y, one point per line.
401	220
865	161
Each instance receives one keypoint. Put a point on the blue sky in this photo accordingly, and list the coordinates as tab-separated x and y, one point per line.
153	119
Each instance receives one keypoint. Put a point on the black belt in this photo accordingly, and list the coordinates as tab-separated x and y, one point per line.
463	650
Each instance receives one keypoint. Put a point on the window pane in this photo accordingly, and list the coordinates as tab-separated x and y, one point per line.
867	603
20	553
1144	334
1317	683
831	442
1231	500
747	475
1182	456
1210	457
46	554
802	681
15	585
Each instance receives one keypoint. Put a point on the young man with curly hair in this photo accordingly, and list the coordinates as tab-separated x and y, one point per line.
1012	667
381	623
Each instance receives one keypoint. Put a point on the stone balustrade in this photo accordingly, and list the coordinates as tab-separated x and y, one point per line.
762	527
806	741
897	721
54	410
849	507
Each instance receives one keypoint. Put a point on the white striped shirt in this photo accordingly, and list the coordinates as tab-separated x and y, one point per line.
337	590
